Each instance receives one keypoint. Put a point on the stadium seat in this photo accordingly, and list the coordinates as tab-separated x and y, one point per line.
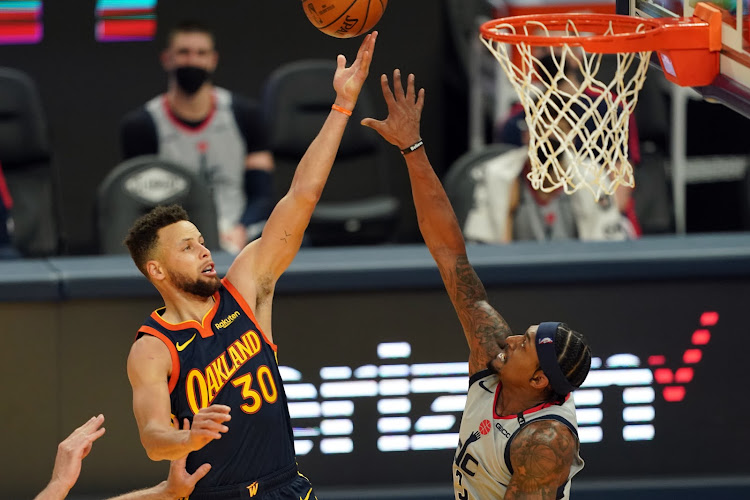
26	159
356	206
139	184
459	182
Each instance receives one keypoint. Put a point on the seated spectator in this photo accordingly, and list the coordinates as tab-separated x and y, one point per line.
531	214
507	208
513	129
209	130
72	451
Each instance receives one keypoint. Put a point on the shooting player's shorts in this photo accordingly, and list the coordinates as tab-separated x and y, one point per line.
287	484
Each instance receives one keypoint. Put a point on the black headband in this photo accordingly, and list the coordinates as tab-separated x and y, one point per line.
545	350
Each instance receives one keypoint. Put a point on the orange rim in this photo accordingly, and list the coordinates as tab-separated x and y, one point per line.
624	37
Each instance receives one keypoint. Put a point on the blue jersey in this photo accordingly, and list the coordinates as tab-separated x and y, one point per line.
228	360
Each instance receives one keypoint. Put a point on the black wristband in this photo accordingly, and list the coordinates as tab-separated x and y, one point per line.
413	147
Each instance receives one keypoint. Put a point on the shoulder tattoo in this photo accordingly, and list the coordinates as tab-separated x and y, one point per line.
541	454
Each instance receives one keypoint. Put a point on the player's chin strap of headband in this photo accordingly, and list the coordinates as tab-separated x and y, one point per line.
545	349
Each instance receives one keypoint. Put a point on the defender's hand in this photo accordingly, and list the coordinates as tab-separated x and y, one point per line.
401	127
348	81
72	451
180	484
208	424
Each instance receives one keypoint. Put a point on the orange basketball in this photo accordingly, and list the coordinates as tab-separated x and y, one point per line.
344	18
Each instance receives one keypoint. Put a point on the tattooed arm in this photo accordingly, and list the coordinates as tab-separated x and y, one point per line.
257	268
484	328
541	455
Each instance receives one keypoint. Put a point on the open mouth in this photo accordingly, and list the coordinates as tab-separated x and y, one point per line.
209	270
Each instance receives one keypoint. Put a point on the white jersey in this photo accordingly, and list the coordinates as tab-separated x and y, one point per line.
481	466
215	151
561	217
487	219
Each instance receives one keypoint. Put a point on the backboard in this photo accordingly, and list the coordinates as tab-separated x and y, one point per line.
732	86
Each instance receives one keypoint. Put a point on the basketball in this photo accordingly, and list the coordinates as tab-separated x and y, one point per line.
344	18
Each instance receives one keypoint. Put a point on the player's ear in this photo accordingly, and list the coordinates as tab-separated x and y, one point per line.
155	271
539	380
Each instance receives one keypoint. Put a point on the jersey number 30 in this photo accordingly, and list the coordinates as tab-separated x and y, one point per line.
266	385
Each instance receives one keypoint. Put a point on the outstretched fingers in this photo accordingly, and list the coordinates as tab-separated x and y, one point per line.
367	45
83	438
364	54
387	93
209	421
420	101
410	96
93	428
398	88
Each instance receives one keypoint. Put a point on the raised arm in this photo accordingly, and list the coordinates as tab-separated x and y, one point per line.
484	328
541	455
149	367
256	269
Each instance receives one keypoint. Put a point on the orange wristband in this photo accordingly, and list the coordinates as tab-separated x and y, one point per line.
338	108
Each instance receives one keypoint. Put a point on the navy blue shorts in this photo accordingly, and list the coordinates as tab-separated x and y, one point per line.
299	488
285	485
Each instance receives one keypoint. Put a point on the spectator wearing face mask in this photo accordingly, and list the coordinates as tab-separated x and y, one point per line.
214	132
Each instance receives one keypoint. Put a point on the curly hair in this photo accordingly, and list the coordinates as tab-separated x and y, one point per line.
143	235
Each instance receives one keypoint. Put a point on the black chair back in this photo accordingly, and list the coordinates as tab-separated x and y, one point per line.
138	185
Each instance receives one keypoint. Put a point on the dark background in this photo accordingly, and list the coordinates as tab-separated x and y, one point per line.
634	318
87	86
71	364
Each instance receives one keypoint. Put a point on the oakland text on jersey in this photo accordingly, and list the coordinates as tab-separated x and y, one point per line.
226	359
202	386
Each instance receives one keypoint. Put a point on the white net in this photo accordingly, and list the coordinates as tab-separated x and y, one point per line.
577	117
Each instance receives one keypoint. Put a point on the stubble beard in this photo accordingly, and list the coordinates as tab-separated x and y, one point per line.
203	286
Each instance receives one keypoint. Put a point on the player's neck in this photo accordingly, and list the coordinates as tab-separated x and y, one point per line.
181	306
513	400
191	107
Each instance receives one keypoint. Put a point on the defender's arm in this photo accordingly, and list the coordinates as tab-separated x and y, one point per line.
483	326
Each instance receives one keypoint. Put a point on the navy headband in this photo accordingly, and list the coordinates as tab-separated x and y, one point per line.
545	349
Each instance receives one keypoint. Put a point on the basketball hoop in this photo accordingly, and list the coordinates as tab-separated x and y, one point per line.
577	121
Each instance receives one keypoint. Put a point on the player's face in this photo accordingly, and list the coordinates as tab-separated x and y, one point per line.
518	362
191	49
187	262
